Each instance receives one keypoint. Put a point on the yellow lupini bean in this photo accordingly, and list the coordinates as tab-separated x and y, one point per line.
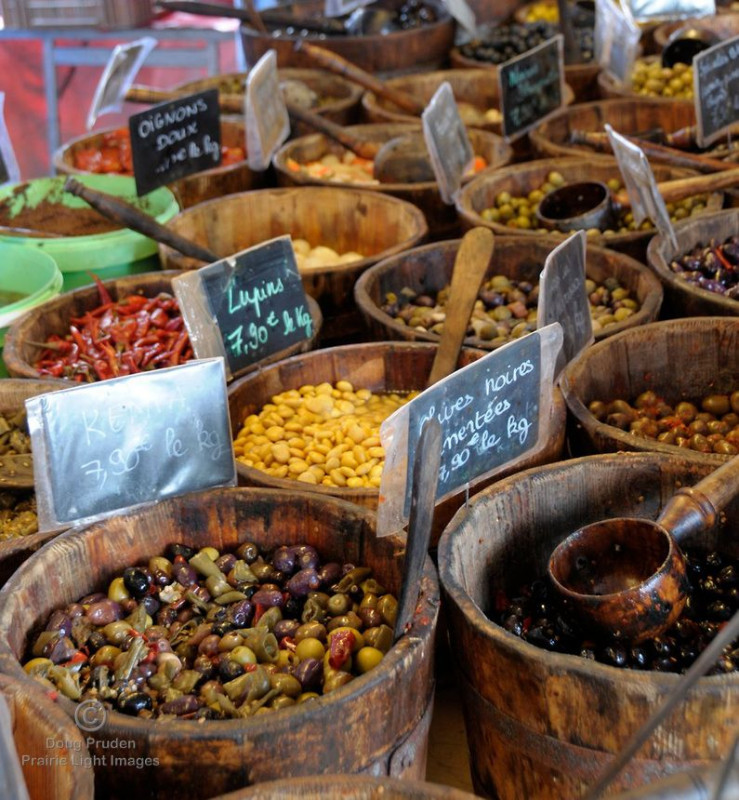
324	434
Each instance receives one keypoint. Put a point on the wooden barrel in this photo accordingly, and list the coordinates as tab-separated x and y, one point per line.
520	179
542	724
379	367
684	359
338	98
343	218
191	189
342	787
51	750
428	269
54	316
581	78
13	552
440	217
685	299
629	117
422	48
377	724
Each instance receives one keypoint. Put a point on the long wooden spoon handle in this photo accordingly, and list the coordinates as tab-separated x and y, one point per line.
685	187
361	147
340	66
472	261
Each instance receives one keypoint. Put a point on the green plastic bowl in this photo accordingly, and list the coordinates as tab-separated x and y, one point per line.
28	272
108	255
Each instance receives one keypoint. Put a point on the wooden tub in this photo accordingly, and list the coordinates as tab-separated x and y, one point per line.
346	219
429	269
379	367
377	724
684	359
191	189
521	179
53	317
440	217
542	724
685	299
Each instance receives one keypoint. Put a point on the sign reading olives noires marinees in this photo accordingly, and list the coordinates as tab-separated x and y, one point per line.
563	297
104	447
246	307
716	90
532	86
175	139
492	412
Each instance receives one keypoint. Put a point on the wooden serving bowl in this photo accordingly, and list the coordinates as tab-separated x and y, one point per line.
441	218
685	299
193	188
338	98
581	78
629	117
416	49
13	393
379	367
683	359
388	710
521	179
53	317
429	268
375	225
51	749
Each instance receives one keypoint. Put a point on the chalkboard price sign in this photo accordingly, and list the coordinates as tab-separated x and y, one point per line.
107	446
246	307
716	90
267	120
532	86
175	139
563	297
447	141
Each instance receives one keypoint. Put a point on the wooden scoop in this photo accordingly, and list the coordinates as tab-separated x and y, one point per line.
126	214
626	575
340	66
473	258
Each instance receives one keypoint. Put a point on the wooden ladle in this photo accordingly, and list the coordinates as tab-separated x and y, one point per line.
626	575
591	204
470	265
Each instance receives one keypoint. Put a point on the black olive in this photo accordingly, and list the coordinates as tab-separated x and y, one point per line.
134	702
180	550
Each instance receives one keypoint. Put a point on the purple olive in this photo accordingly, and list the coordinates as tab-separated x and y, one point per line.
329	573
285	559
151	604
309	672
306	557
240	614
302	582
104	612
225	563
184	574
95	597
59	649
269	597
59	621
187	704
285	627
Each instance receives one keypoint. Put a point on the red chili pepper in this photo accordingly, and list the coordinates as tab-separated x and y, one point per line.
340	649
77	658
718	252
259	609
105	297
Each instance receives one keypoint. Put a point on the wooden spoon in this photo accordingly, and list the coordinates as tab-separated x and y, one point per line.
473	258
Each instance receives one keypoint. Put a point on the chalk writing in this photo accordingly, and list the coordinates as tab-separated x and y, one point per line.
716	90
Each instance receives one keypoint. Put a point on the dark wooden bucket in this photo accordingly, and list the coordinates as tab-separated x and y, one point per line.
520	179
338	98
13	393
53	317
440	217
540	724
637	114
429	268
51	750
581	78
377	725
375	225
678	359
343	787
193	188
411	50
379	367
685	299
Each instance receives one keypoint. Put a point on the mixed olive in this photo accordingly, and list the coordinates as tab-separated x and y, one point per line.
14	438
505	309
710	425
520	211
17	514
714	267
210	635
322	435
538	615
